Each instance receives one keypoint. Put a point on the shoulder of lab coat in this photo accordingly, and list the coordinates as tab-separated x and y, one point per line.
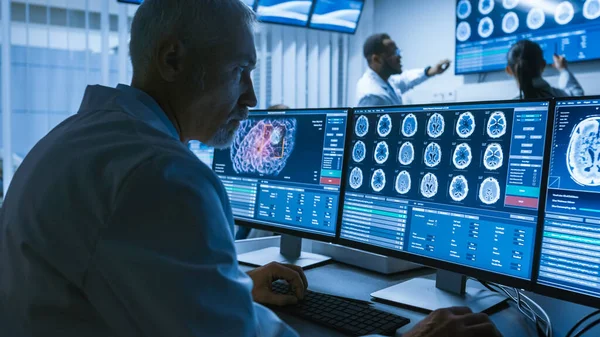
408	80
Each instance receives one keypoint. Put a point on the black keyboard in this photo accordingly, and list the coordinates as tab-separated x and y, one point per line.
345	315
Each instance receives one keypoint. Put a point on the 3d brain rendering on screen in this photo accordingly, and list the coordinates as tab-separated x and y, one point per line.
263	146
459	188
493	156
406	154
486	27
591	9
433	155
384	125
564	13
356	178
536	18
462	156
362	126
583	152
359	151
463	9
403	182
465	125
378	180
429	185
496	125
382	152
409	125
435	125
489	191
510	22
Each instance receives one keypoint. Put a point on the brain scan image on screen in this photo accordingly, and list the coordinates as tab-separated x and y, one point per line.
435	125
362	126
429	185
591	9
583	152
382	152
510	4
493	157
510	22
536	18
459	188
409	125
378	180
406	154
486	6
356	178
403	182
496	125
463	9
463	31
384	126
486	27
564	13
489	191
465	125
462	156
359	151
433	155
263	146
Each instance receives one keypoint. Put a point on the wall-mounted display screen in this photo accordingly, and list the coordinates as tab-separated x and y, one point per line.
337	16
289	12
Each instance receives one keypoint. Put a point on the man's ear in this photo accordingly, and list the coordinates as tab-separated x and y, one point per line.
170	58
376	59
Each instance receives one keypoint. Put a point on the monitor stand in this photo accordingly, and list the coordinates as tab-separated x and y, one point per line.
447	290
289	251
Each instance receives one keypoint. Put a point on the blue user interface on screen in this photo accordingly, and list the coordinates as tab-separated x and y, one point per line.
289	12
570	257
250	3
204	152
338	16
459	184
486	29
284	169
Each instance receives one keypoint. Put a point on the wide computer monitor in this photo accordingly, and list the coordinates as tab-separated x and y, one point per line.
283	173
287	12
569	265
336	15
455	187
204	152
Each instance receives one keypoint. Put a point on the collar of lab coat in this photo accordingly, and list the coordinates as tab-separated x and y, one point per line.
375	77
131	101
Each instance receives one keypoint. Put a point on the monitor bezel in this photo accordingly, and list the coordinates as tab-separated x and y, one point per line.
439	264
542	289
300	233
331	30
312	7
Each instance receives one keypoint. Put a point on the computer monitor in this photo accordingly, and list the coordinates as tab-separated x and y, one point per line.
283	174
455	187
336	15
569	265
204	152
287	12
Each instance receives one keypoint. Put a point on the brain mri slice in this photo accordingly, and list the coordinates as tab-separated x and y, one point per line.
462	156
583	152
435	125
429	185
463	31
378	180
433	155
493	157
465	125
409	125
510	4
359	152
510	22
406	154
564	13
459	188
403	182
362	126
382	152
536	18
263	146
384	126
591	9
356	178
486	27
489	191
463	9
486	6
496	125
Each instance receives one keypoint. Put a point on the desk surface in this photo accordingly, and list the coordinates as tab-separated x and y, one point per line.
348	281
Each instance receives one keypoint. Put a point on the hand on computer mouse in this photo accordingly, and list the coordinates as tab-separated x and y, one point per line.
264	276
454	322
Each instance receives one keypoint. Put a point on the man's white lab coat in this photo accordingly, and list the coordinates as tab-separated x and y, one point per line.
372	90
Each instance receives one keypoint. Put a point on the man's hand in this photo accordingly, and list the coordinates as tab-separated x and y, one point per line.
457	321
439	68
265	275
560	62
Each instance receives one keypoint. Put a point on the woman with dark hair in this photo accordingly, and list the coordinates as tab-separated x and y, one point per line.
526	63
